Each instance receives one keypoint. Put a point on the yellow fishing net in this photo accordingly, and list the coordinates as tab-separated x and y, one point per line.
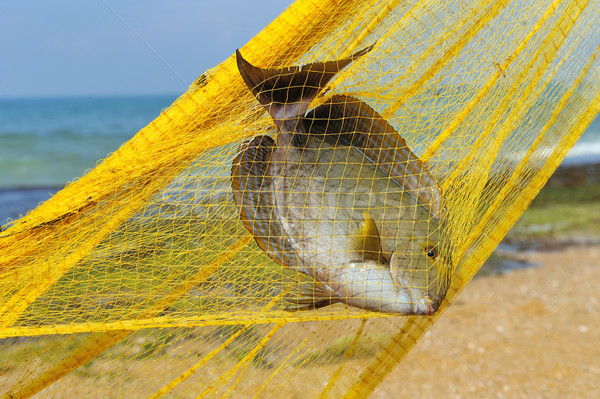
140	279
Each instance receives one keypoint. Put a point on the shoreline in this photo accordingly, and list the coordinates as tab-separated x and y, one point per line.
588	167
568	177
50	187
571	173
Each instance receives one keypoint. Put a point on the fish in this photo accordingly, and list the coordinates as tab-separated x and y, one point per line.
338	195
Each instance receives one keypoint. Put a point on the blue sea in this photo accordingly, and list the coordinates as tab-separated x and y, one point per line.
47	142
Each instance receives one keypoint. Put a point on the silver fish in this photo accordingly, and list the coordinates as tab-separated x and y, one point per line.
340	197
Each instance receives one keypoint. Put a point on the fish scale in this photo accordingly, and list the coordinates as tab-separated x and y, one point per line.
340	184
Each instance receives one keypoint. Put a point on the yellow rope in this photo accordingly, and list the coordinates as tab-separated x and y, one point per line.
150	242
99	342
488	85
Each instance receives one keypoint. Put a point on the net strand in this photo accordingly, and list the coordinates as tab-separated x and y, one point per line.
434	147
151	261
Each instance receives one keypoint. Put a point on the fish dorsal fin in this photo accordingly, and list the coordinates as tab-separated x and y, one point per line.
347	120
287	92
253	197
366	240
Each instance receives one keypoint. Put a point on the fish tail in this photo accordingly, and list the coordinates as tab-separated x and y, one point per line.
287	92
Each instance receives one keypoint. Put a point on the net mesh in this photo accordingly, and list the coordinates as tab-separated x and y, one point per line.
140	279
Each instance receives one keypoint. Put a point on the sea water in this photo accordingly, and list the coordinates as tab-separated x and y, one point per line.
44	143
47	142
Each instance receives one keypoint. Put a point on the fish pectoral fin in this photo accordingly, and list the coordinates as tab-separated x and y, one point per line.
366	240
287	92
313	297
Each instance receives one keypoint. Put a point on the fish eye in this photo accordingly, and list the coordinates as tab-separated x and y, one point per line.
431	251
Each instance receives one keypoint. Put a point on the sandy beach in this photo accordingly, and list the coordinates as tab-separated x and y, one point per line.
531	333
528	333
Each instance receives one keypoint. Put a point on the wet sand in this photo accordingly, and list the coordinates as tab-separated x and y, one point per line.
531	333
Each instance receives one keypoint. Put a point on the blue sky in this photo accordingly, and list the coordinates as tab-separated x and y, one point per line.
75	47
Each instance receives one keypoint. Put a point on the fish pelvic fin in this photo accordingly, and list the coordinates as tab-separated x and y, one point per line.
287	92
312	297
349	121
253	197
366	240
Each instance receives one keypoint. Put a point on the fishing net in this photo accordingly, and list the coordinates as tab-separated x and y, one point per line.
140	279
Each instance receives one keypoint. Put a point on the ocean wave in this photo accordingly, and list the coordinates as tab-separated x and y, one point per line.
585	148
85	116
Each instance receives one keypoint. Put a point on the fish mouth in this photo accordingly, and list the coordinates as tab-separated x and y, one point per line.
426	305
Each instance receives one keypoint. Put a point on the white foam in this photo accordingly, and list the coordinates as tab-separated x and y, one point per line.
585	149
